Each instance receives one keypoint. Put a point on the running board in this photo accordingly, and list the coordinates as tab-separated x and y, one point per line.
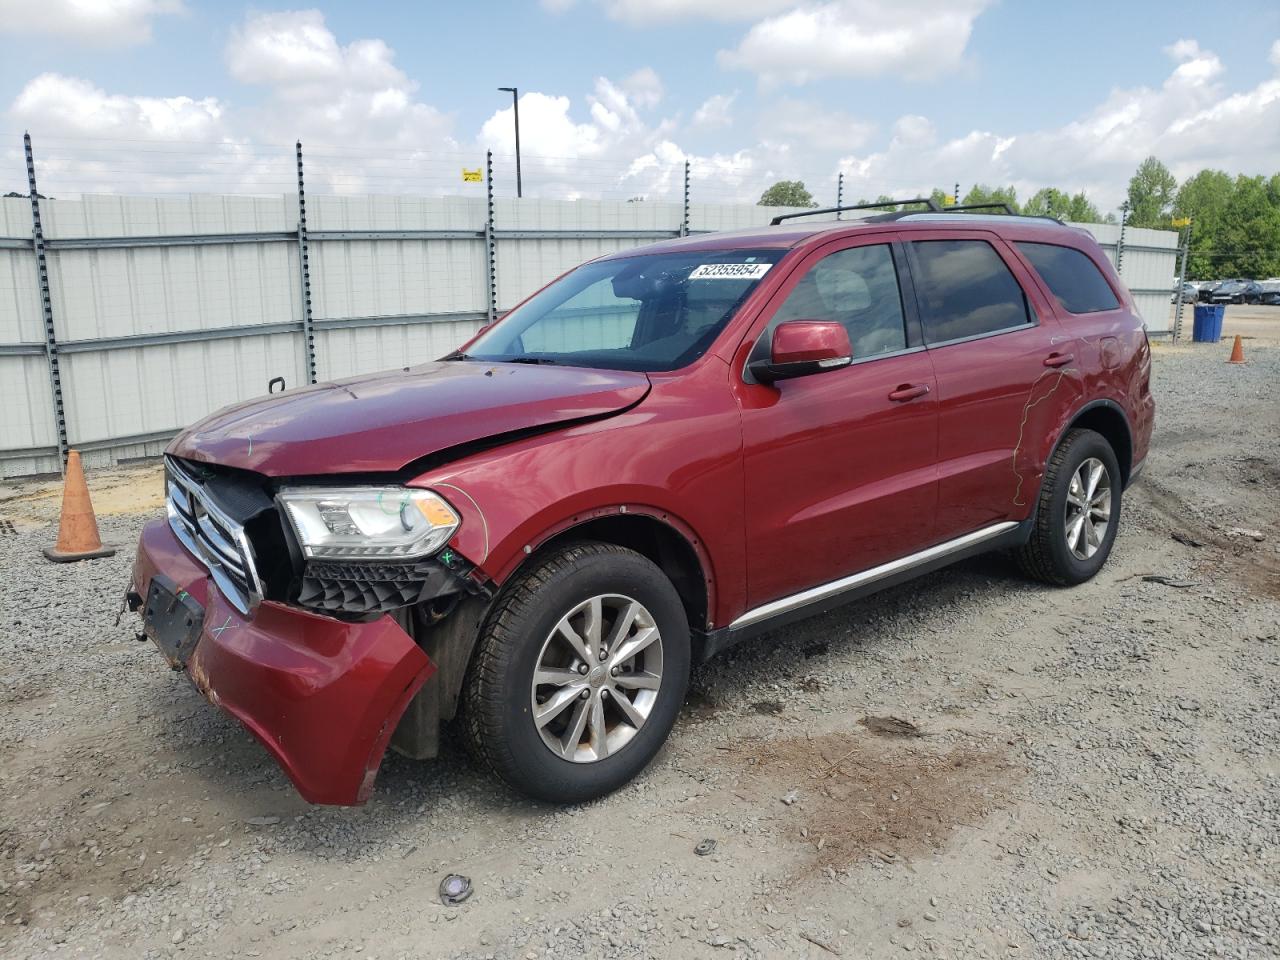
828	595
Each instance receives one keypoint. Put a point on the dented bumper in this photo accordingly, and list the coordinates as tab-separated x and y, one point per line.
322	695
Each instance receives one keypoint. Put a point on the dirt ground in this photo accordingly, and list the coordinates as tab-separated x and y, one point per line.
970	765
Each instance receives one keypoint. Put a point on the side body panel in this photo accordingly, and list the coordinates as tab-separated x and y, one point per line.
996	399
838	476
1113	355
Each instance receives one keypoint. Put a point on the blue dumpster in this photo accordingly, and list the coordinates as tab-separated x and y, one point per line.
1207	327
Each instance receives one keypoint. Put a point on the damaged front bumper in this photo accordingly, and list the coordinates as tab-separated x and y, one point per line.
322	695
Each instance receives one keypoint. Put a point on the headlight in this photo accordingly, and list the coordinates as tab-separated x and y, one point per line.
368	523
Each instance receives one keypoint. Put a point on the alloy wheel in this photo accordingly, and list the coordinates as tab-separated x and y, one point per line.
597	678
1088	510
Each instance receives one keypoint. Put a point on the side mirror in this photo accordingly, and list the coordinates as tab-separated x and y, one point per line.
802	347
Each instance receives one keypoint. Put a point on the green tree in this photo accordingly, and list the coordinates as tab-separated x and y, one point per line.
1249	237
787	193
1052	202
1151	192
981	193
1204	199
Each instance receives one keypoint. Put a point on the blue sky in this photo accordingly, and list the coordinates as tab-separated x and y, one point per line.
900	95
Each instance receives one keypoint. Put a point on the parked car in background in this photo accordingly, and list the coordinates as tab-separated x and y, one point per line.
1270	291
1207	290
1237	291
1190	293
660	454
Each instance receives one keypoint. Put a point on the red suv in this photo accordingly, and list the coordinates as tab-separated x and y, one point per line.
661	453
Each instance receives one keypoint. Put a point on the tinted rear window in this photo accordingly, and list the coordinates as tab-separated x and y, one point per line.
965	290
1072	277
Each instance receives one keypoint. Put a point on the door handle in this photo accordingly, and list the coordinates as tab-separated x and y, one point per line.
1058	359
909	391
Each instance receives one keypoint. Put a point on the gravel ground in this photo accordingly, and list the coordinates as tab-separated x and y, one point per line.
1092	772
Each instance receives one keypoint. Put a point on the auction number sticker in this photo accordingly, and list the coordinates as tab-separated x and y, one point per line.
730	271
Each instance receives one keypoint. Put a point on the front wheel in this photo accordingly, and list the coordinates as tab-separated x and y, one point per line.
579	673
1078	511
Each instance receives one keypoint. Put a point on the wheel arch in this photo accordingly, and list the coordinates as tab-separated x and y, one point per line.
656	535
1105	417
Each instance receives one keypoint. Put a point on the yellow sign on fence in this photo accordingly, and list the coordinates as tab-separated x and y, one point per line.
472	176
1181	221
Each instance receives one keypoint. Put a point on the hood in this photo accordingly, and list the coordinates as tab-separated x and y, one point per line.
384	421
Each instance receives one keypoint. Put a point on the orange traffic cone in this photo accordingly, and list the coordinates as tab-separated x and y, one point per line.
1237	352
78	529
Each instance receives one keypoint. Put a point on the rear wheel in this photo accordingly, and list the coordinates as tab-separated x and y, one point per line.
579	673
1078	512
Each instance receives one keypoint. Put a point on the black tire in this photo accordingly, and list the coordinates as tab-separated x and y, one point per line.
1047	556
497	705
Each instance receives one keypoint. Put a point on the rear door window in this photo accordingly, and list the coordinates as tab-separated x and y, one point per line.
1072	277
965	290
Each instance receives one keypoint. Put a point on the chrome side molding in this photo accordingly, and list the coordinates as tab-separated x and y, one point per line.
852	582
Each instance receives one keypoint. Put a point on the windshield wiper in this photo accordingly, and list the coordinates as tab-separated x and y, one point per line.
546	360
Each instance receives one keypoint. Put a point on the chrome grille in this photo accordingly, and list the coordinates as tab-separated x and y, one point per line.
212	537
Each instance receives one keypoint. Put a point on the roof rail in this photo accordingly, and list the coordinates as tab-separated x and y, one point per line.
981	206
1000	206
927	201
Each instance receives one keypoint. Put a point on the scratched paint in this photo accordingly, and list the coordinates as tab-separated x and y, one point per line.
1033	401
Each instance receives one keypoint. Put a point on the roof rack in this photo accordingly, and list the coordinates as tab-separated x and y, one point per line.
927	201
931	205
1009	211
982	206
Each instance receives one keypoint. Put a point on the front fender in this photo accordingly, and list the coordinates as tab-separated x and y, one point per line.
677	458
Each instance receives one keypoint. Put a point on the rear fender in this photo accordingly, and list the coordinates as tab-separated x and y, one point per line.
1123	445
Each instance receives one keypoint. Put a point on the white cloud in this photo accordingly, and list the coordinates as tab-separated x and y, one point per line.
812	125
113	143
104	23
857	38
321	90
77	107
1190	122
546	129
641	12
644	87
715	112
367	127
913	130
357	113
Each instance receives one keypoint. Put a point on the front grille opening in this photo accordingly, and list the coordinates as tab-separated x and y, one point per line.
211	536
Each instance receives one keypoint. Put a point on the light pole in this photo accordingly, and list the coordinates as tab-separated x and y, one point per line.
515	105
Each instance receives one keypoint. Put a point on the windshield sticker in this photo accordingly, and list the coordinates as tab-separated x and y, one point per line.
730	271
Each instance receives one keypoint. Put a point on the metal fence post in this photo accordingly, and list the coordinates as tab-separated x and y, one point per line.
490	247
1182	280
304	265
839	192
1124	222
46	306
684	221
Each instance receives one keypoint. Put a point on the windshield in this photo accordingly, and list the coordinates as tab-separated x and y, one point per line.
652	313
